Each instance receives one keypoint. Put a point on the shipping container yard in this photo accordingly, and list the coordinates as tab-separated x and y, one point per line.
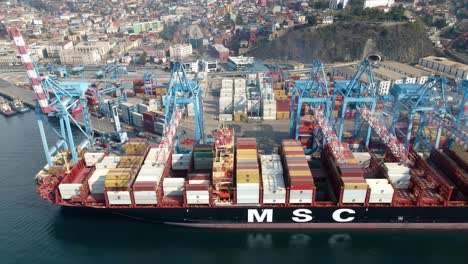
339	158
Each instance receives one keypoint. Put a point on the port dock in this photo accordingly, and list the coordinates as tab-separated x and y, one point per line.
10	91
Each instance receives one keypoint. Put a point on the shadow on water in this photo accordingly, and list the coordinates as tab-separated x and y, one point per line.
103	232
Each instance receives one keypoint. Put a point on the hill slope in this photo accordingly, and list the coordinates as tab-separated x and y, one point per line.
348	41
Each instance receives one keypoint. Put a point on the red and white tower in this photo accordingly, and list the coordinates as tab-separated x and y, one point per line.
31	71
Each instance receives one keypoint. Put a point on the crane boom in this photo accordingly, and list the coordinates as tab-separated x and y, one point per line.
337	147
33	77
374	121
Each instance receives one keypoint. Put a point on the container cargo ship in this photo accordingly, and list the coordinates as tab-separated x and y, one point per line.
228	184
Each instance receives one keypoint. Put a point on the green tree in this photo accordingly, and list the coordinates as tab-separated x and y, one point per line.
440	23
357	7
312	20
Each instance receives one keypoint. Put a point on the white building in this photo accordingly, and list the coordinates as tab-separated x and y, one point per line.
210	66
412	73
102	47
367	3
54	49
452	68
240	62
179	51
327	20
75	57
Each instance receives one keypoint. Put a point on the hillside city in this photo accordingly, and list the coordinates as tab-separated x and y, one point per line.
136	32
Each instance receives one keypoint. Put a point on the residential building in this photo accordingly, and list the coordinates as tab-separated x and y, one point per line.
179	51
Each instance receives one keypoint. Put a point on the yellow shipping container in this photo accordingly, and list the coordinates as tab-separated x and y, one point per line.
296	156
244	179
119	171
282	115
301	173
247	173
355	186
116	183
247	151
293	148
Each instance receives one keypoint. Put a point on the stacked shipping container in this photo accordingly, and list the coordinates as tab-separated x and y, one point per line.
240	99
203	157
226	107
274	190
247	172
301	182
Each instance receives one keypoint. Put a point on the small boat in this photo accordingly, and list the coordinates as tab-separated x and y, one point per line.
19	106
5	109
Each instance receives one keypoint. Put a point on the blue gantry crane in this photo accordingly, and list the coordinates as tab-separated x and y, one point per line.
313	92
181	92
56	99
359	92
427	102
106	108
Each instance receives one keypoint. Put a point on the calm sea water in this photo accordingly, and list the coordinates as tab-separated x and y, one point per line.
33	231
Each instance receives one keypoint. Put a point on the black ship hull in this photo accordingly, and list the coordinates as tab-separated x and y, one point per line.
301	217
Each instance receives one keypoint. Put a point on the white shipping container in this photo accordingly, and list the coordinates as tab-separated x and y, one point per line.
137	119
145	197
300	196
67	190
382	189
363	158
274	200
394	167
91	158
118	197
143	108
354	196
173	182
225	117
100	166
198	200
376	181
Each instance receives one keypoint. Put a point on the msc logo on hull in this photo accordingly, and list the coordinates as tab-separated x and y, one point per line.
299	215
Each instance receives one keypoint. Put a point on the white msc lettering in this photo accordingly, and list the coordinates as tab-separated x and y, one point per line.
302	215
253	216
337	215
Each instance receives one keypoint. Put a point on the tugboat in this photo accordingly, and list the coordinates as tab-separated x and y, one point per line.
5	108
19	106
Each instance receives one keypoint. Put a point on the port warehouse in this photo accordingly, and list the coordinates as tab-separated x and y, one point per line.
286	177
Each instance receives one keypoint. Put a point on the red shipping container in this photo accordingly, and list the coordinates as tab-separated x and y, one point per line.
145	186
198	176
197	187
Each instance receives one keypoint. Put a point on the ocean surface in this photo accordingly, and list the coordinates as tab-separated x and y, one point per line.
33	231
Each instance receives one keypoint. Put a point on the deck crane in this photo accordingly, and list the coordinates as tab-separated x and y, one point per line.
56	99
429	102
315	92
182	92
